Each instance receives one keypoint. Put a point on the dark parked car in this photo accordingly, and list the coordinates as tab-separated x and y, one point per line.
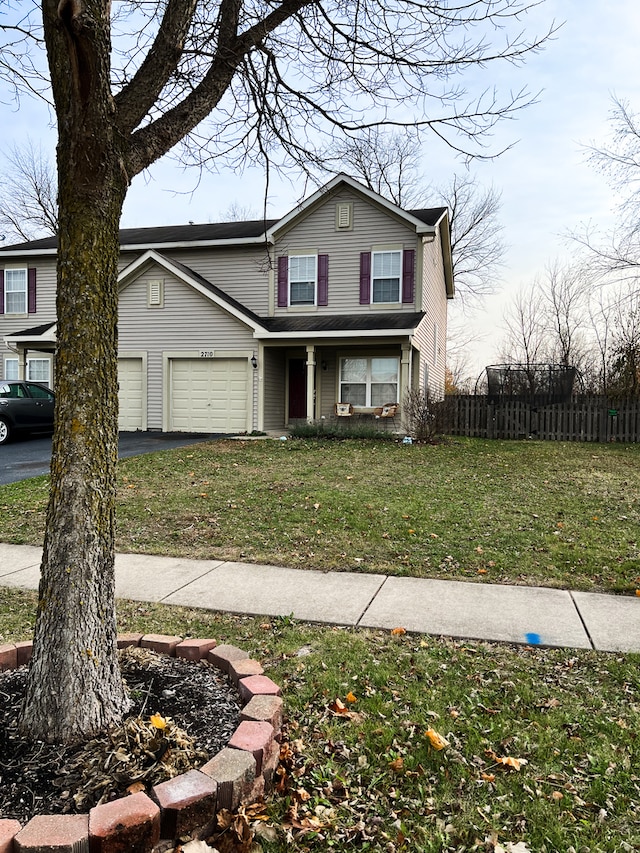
24	407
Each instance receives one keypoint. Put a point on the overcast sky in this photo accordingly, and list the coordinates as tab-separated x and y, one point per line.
546	185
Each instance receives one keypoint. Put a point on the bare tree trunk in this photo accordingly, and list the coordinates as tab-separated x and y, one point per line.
75	688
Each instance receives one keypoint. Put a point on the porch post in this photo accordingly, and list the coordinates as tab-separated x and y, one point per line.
22	363
311	382
405	377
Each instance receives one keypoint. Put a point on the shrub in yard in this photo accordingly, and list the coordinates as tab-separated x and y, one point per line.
335	430
426	418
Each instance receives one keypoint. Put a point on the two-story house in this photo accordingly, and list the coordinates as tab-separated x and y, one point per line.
241	326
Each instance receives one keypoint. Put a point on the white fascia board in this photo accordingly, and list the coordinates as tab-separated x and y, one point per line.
15	253
49	337
150	256
141	247
197	244
366	333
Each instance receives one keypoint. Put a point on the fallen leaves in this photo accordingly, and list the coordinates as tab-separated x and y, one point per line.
158	721
339	709
437	741
507	761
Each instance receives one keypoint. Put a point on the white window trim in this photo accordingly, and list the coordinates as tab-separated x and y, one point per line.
382	251
11	360
369	357
26	291
313	304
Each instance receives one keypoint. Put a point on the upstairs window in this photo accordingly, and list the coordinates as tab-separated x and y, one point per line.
369	381
302	279
18	291
15	291
385	276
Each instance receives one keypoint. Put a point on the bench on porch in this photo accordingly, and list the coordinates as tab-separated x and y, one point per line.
386	414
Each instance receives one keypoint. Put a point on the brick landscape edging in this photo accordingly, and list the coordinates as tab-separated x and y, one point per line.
186	805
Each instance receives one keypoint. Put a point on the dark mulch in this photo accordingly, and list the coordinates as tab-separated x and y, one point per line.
199	713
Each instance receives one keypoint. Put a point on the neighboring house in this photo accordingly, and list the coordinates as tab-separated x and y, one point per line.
241	326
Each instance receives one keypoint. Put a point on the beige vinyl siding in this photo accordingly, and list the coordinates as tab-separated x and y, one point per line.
45	303
432	331
273	370
372	226
327	392
241	272
188	322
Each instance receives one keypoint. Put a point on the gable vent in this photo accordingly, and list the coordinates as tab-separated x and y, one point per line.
155	295
344	214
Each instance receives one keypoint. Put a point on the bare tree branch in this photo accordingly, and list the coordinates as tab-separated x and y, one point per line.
28	204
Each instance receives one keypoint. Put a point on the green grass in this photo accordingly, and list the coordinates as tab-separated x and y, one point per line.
542	513
369	780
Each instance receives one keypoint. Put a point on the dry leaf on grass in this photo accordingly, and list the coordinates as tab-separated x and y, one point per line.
436	740
507	760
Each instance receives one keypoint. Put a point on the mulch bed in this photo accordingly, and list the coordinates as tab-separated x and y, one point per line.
183	713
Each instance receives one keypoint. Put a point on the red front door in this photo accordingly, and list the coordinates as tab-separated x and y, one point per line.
297	388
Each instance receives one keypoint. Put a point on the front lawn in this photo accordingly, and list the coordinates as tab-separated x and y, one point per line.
541	513
541	751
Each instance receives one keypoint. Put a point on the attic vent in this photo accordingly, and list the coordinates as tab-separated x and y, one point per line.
344	215
155	293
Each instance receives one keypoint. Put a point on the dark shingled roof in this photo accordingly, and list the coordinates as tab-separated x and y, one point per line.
211	232
428	215
35	331
170	234
343	322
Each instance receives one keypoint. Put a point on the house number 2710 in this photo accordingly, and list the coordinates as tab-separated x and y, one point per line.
206	353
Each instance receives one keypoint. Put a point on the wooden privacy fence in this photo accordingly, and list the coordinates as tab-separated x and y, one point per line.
581	419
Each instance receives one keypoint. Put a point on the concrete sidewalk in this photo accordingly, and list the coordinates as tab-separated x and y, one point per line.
533	615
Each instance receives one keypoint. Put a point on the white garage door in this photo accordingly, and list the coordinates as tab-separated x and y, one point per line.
130	394
209	395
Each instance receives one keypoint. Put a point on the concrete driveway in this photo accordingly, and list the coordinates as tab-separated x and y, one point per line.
30	456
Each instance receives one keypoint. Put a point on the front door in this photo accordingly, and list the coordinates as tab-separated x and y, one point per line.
297	388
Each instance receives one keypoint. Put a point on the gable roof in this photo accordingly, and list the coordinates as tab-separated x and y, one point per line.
195	280
424	221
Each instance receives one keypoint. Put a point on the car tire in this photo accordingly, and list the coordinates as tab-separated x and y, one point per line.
5	431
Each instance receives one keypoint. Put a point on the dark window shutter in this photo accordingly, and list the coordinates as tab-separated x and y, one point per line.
31	290
408	274
323	279
365	278
283	281
1	291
